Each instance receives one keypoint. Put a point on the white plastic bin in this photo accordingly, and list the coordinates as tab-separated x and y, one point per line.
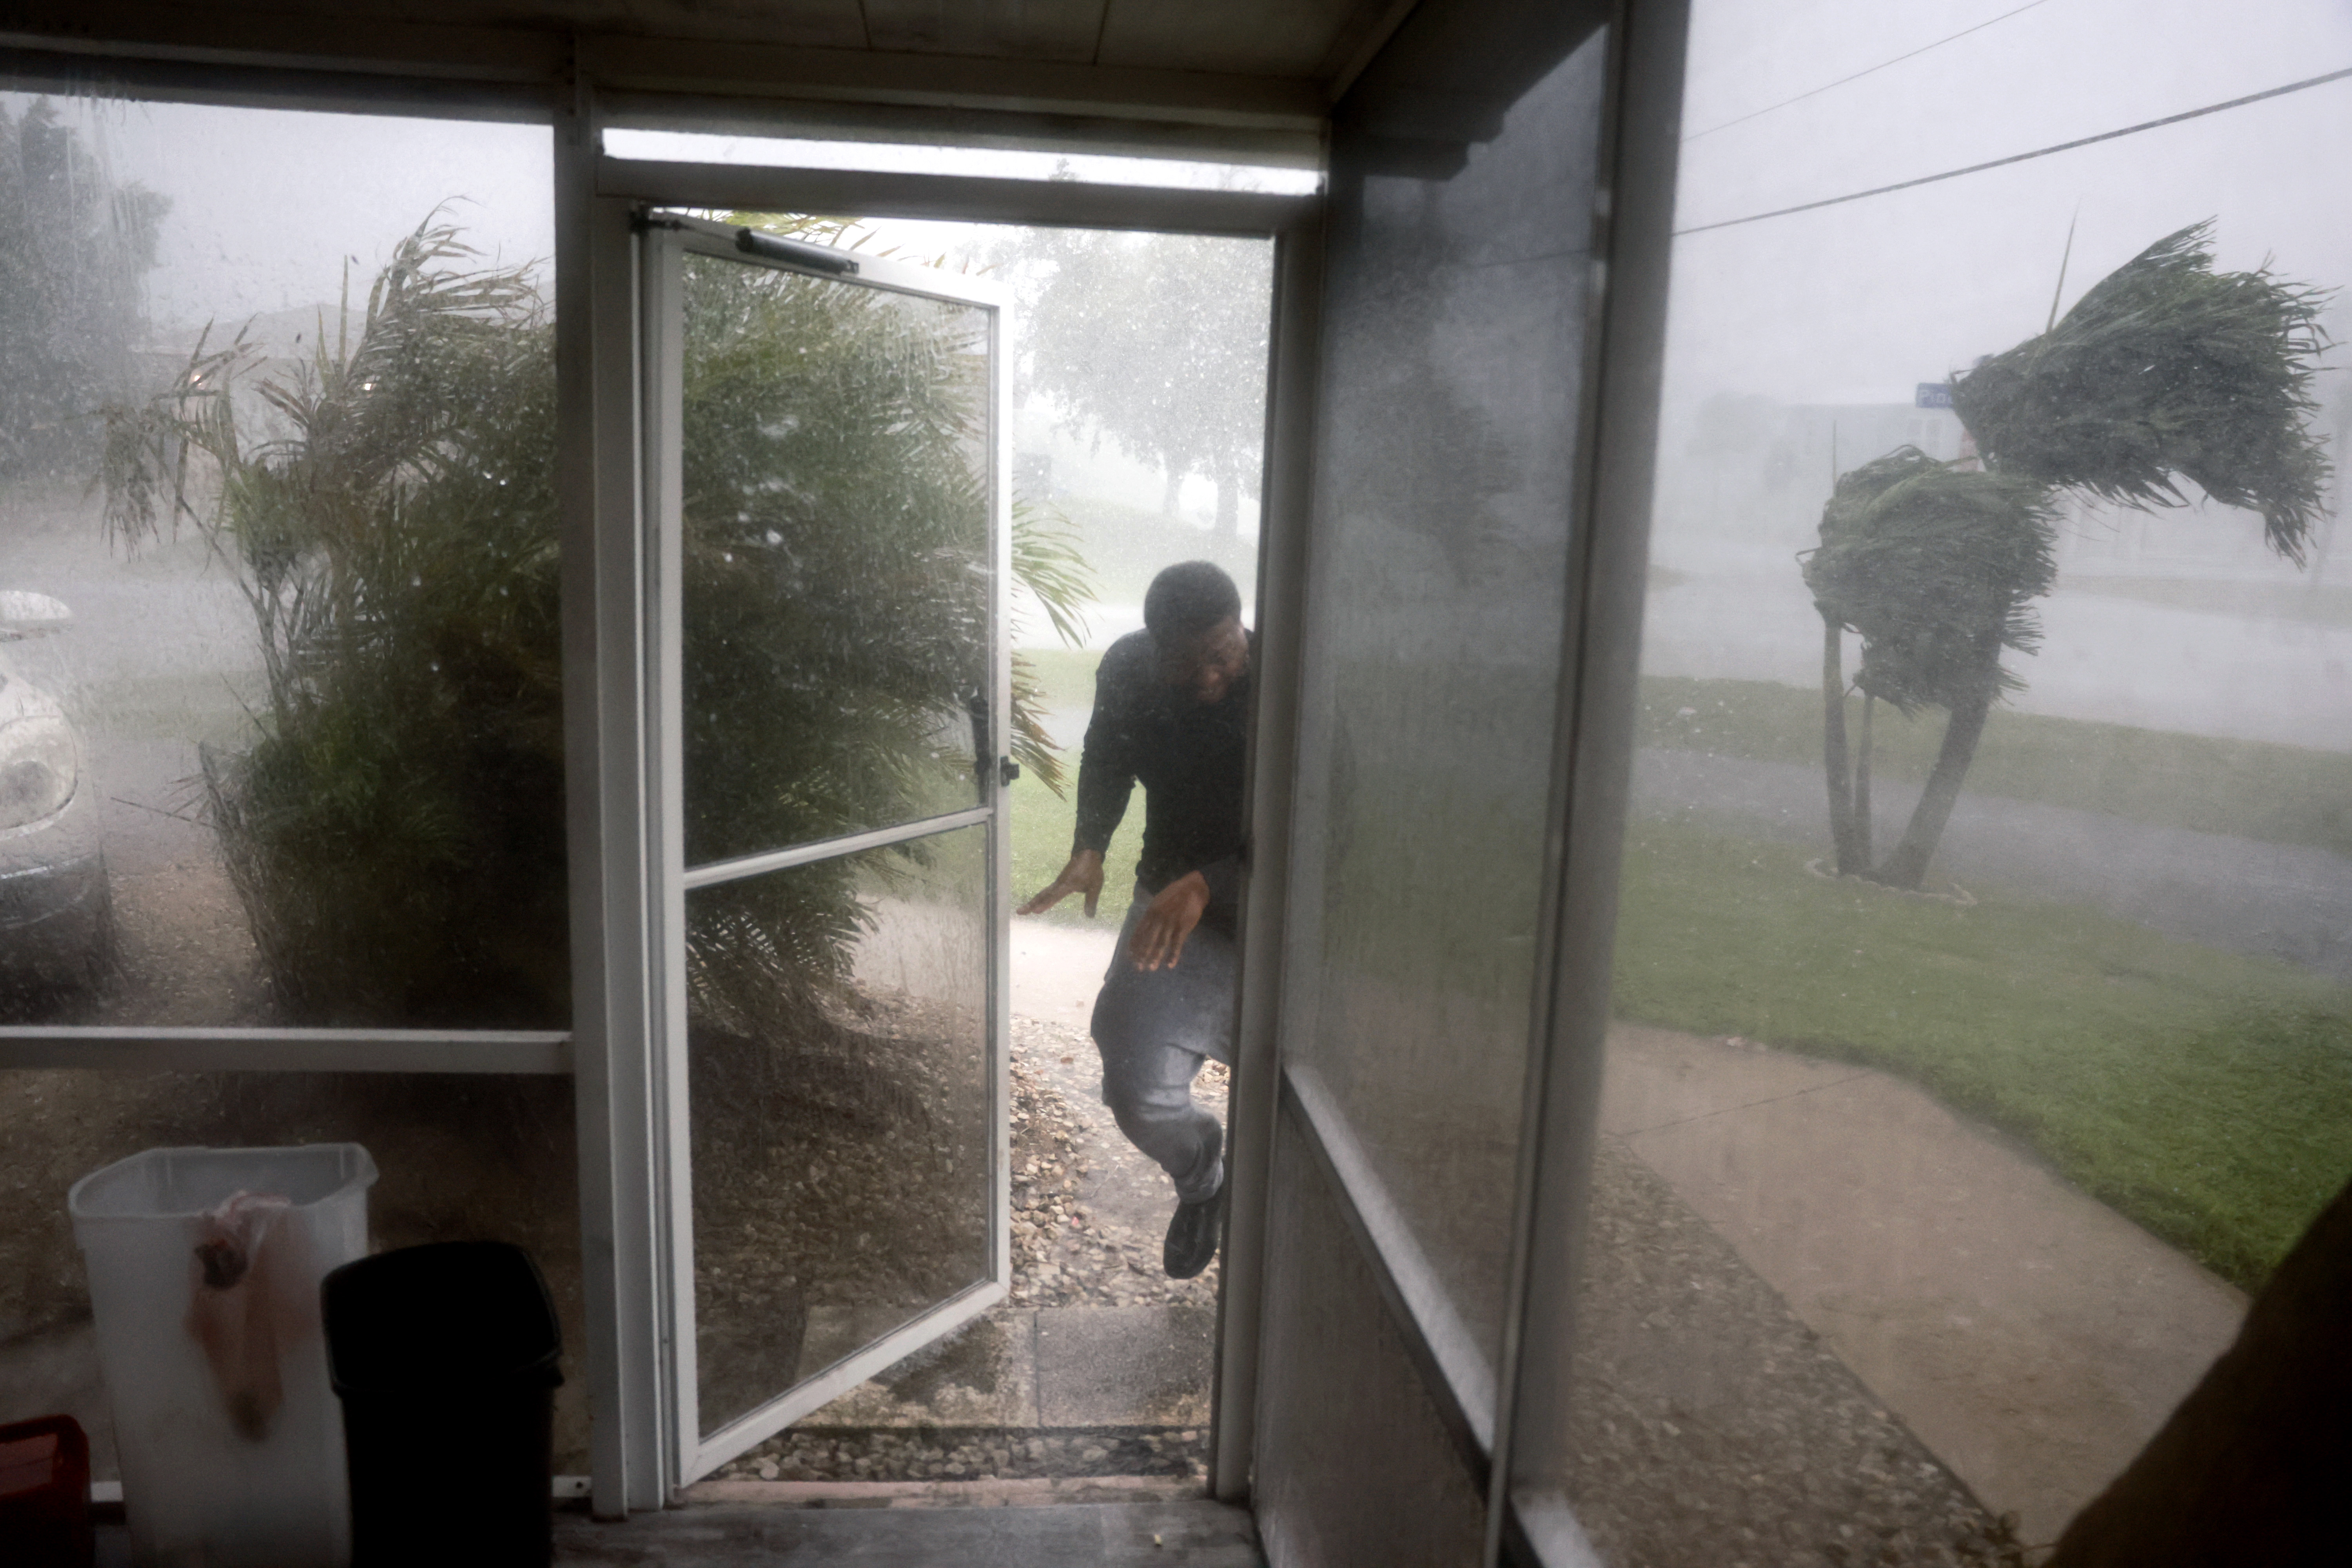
203	1281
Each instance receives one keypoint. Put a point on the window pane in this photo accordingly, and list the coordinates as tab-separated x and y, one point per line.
840	1115
1982	1034
280	732
1447	458
837	571
458	1157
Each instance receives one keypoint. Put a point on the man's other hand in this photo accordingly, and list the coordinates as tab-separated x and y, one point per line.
1159	939
1084	874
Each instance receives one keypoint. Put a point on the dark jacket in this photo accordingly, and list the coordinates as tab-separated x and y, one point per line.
1187	756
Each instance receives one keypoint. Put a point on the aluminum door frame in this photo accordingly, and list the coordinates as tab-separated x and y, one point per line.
623	1099
664	239
1512	1446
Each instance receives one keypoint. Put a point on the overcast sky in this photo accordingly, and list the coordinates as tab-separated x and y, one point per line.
1859	303
267	204
1855	304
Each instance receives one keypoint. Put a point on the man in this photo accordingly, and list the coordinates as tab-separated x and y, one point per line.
1170	706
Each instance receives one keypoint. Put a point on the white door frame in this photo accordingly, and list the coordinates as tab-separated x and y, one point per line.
625	1107
664	239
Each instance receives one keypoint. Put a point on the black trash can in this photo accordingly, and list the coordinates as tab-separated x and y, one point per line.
444	1358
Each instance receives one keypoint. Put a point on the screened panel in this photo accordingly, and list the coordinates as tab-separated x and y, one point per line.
1455	299
1358	1464
839	1102
837	571
460	1157
1982	1033
281	716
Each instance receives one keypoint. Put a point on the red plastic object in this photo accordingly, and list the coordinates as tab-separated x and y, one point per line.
45	1494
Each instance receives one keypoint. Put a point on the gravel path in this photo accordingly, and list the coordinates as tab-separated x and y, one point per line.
1715	1428
1089	1211
1088	1215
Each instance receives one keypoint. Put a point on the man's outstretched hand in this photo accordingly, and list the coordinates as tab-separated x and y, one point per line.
1159	939
1084	874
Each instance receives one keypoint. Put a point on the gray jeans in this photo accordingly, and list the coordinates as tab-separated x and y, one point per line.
1153	1027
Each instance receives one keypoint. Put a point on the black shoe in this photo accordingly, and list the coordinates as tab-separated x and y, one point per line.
1192	1242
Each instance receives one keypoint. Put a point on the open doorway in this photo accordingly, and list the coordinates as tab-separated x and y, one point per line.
1134	415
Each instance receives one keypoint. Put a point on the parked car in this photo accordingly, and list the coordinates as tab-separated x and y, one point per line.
57	913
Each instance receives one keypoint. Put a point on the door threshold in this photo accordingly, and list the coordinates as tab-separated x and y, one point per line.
1023	1492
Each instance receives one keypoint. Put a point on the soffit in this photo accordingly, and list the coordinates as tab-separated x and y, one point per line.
1224	61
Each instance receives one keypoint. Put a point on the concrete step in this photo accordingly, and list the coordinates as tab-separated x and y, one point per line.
1146	1366
1192	1532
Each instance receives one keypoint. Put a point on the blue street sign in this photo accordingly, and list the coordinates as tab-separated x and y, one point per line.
1934	394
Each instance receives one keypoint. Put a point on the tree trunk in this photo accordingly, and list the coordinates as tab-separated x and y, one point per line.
1229	502
2251	1467
1907	866
1861	784
1173	493
1835	765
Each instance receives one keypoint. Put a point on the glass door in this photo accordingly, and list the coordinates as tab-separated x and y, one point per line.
826	512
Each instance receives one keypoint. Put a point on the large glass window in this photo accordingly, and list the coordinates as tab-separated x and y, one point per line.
279	696
1982	1034
279	703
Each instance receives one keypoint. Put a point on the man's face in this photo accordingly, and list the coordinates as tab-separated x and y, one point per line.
1206	666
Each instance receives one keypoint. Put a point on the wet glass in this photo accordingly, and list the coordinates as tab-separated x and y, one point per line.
837	577
292	752
1443	536
1982	1033
460	1157
839	1106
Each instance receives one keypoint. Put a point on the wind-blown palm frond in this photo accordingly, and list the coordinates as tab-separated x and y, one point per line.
1937	568
2167	368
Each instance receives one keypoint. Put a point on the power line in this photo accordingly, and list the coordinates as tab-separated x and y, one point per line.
2024	157
1857	76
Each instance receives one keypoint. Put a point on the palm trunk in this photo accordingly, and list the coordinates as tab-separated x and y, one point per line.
1907	866
1861	784
1835	765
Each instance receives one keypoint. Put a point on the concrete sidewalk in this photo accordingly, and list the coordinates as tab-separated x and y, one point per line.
2032	1337
2029	1335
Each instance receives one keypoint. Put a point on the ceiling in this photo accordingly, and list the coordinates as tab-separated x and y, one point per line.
1233	67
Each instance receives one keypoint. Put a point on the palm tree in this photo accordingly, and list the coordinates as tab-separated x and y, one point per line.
1936	569
394	828
2164	370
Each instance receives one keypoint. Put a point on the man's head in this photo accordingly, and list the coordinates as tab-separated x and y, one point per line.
1193	613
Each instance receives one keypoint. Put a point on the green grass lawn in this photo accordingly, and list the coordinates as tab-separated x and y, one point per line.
1126	546
1065	676
2207	1096
1043	822
2284	794
1042	827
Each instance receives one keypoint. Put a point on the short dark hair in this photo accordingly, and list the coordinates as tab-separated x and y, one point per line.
1187	599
